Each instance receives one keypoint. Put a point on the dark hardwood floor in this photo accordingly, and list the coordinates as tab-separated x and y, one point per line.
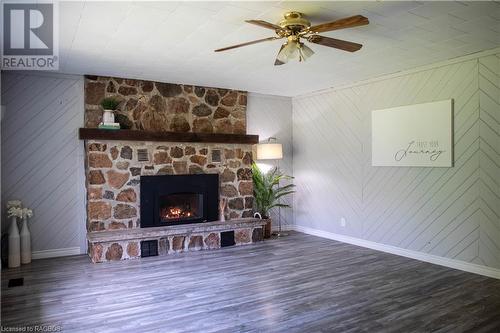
298	283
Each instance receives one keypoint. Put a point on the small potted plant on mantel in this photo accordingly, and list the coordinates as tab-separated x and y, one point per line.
268	193
109	105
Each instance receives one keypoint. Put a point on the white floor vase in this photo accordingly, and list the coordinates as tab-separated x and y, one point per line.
25	237
14	244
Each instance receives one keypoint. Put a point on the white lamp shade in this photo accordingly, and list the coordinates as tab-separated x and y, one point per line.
269	151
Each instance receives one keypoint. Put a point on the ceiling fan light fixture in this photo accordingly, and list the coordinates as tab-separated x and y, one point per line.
288	51
291	50
282	58
305	52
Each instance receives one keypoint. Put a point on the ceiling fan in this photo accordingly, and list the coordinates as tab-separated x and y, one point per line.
294	27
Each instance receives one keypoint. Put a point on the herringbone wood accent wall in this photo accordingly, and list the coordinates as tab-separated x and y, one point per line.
42	162
271	116
449	212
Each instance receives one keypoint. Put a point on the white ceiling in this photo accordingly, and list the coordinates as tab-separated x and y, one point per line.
174	41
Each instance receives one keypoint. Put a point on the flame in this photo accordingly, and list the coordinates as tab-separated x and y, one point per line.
175	213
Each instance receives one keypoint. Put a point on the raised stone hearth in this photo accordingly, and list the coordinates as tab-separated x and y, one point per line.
126	244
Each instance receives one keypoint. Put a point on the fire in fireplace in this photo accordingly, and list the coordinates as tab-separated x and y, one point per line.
179	206
179	199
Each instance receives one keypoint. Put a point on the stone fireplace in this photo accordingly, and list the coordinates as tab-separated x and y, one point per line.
145	188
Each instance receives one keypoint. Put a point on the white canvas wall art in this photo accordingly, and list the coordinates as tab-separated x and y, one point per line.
418	135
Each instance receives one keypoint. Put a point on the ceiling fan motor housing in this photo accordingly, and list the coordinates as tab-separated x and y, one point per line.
295	22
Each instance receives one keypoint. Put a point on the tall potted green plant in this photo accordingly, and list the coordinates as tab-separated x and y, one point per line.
267	192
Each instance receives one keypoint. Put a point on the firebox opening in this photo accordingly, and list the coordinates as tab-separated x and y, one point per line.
180	206
179	199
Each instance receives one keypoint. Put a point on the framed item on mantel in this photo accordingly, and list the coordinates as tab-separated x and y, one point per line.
419	135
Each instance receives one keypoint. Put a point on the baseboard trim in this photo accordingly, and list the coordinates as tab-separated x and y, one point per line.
52	253
451	263
284	227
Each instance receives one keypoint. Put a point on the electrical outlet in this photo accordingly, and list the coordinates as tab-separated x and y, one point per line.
342	222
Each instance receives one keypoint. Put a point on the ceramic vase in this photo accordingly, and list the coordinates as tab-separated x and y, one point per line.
25	237
14	244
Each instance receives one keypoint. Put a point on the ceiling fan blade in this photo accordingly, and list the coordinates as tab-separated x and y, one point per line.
264	24
348	22
247	43
336	43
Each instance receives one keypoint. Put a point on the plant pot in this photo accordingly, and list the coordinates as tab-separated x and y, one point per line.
108	117
268	228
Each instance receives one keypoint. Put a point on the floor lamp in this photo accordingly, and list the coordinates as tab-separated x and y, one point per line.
271	150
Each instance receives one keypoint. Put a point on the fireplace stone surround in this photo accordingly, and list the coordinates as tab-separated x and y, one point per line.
114	167
114	171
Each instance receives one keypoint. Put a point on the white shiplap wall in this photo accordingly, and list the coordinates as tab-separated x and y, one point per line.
42	158
447	212
271	116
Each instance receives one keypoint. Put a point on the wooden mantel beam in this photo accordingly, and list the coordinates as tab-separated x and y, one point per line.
133	135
